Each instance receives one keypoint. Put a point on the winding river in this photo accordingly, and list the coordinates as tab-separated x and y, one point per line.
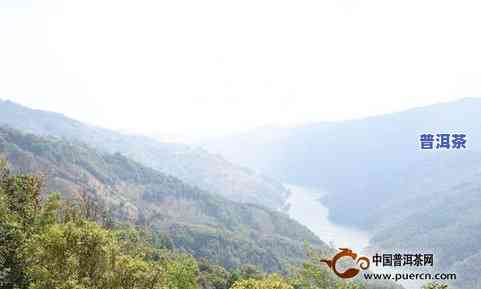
306	208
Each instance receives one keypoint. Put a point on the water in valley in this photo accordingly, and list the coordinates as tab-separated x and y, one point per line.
306	208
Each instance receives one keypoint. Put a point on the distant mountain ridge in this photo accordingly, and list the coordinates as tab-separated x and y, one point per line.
379	179
371	153
192	165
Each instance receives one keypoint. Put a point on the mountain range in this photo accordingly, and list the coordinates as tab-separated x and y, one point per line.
206	225
376	174
378	178
193	165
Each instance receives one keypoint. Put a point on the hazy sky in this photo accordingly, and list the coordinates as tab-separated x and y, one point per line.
179	66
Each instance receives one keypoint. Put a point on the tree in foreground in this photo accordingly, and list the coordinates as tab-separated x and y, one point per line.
19	205
53	245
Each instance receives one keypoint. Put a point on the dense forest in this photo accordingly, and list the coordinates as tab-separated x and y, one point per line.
55	243
206	225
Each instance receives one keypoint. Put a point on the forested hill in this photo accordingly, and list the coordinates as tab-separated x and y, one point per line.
192	165
206	225
61	243
378	178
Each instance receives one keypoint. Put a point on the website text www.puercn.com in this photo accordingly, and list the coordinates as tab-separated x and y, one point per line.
410	276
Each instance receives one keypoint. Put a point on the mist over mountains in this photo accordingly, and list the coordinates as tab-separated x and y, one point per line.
371	153
227	239
379	179
373	169
193	165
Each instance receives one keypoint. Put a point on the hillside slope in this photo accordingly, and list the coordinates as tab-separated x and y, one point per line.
192	165
203	224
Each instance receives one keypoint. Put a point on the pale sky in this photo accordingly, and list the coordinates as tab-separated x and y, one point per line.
216	66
